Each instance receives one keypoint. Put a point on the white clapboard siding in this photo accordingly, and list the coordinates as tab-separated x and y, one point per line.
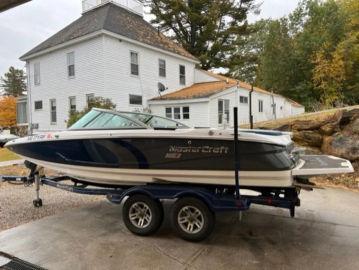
205	113
55	84
102	67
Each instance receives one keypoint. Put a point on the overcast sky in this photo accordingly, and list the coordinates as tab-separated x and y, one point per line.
25	26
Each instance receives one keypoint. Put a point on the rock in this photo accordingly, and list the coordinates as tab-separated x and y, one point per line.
306	125
329	129
332	124
308	138
351	128
355	126
348	115
342	146
285	127
308	150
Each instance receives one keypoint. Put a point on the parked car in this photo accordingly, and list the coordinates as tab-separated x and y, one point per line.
6	136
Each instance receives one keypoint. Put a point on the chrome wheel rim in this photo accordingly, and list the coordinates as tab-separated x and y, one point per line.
190	219
140	215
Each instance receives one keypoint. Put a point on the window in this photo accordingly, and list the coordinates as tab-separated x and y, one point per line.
71	64
72	104
89	98
135	100
161	68
134	63
260	105
169	112
223	111
38	105
37	73
243	99
185	112
53	118
177	113
182	74
21	110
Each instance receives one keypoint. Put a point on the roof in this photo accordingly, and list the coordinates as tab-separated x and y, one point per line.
115	19
198	90
207	89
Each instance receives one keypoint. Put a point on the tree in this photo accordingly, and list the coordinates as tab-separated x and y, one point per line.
208	29
276	66
7	111
310	55
246	58
96	102
14	82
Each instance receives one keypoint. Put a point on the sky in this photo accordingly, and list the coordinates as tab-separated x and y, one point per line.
25	26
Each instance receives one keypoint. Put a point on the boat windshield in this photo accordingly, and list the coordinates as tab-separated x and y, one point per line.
154	121
103	119
98	119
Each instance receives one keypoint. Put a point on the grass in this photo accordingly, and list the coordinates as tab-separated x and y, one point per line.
6	155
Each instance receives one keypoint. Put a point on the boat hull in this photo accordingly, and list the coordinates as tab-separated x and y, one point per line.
138	160
111	176
159	154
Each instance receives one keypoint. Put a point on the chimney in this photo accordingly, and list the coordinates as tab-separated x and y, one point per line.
135	6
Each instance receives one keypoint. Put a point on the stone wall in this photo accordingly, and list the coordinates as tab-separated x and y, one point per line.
335	132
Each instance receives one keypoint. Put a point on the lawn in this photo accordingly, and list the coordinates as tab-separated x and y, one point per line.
6	155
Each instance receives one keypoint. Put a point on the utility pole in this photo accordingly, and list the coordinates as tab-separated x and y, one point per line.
250	107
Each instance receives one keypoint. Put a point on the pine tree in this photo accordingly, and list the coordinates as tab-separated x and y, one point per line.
208	29
14	82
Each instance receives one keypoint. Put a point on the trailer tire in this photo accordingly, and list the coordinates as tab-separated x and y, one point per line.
191	219
142	215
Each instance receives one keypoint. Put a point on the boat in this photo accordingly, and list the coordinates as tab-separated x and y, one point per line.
126	148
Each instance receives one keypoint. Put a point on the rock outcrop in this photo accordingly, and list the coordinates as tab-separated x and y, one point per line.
334	132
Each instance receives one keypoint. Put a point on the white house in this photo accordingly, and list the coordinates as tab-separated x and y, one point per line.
111	51
210	103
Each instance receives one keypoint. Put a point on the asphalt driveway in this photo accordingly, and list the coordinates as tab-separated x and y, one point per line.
324	235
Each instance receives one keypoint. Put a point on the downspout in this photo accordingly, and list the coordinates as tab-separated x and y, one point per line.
273	108
250	107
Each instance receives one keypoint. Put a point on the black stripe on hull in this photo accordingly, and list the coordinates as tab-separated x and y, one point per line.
155	153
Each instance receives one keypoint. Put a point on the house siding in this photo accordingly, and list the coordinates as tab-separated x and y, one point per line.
119	83
199	112
205	114
102	67
55	83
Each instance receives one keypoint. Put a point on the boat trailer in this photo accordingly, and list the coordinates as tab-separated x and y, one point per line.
193	211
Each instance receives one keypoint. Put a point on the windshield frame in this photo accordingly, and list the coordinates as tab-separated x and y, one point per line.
140	124
181	125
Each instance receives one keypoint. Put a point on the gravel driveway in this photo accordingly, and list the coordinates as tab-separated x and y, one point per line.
16	201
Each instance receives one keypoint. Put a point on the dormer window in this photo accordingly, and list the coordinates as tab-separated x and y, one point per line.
71	64
134	63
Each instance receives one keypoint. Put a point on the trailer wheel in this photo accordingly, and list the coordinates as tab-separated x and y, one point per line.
191	219
142	215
